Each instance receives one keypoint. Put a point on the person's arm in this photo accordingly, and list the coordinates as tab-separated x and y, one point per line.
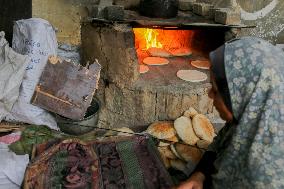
202	171
194	182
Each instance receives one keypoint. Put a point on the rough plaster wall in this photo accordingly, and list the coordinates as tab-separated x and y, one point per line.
267	15
64	15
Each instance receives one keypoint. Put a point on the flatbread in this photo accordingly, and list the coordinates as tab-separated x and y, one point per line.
155	61
143	69
201	64
162	129
181	52
165	160
185	131
188	153
203	144
172	139
190	113
191	75
158	52
178	164
203	127
166	151
162	144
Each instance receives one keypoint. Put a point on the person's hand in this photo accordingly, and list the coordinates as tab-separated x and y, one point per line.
194	182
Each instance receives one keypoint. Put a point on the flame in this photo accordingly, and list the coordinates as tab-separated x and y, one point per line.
151	38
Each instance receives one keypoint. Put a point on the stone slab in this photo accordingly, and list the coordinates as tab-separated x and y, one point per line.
227	16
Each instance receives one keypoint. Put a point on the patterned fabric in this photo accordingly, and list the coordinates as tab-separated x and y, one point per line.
110	163
251	153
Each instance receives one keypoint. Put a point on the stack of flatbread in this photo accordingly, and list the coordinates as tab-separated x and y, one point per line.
184	140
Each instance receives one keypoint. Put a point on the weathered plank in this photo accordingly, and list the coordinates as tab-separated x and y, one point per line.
66	89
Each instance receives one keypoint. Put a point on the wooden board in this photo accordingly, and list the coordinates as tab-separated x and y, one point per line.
66	89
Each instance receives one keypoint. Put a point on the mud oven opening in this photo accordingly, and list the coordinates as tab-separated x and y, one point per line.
133	99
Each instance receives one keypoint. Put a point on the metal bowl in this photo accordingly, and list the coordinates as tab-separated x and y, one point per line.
159	8
83	126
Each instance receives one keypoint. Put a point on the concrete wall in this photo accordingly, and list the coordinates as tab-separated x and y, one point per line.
267	15
64	15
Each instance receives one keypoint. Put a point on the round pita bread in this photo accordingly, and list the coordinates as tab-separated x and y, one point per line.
165	160
178	164
162	129
192	75
181	52
201	64
155	61
190	113
162	144
203	127
185	131
188	153
173	149
203	144
166	151
172	139
158	52
143	69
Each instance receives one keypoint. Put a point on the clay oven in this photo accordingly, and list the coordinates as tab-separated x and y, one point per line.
132	99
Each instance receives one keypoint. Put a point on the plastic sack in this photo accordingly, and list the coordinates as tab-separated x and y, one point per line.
12	168
12	70
36	38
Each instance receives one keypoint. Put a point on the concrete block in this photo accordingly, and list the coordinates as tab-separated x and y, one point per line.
114	13
96	11
128	4
212	13
202	8
186	5
227	16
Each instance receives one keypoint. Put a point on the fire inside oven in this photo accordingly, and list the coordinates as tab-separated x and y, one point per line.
166	51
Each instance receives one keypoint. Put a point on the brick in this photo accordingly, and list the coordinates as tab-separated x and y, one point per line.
227	16
202	9
186	5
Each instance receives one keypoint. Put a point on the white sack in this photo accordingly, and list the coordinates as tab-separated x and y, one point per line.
12	168
12	69
36	38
